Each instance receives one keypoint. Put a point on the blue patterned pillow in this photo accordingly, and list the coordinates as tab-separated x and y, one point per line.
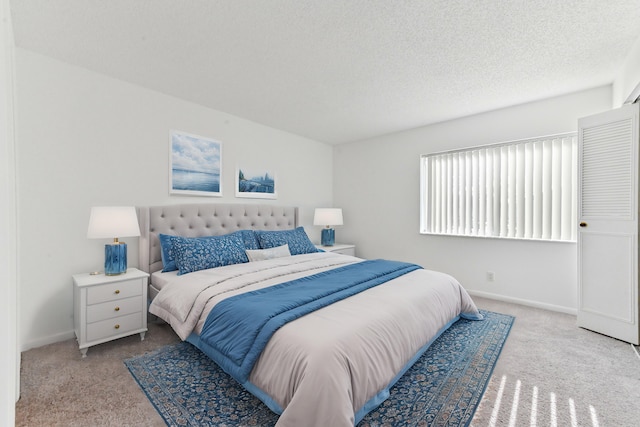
168	263
200	253
249	239
297	240
166	251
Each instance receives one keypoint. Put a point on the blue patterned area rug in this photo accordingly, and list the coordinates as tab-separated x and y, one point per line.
443	388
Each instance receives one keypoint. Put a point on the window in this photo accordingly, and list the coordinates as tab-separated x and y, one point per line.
523	189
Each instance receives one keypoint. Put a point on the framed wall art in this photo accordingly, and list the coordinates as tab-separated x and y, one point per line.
255	183
195	165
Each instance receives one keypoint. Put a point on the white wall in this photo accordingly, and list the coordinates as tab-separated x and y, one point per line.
376	182
84	139
9	357
628	78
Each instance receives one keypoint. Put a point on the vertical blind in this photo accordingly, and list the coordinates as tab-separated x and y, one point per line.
524	189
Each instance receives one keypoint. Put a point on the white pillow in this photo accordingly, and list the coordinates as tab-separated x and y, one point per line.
271	253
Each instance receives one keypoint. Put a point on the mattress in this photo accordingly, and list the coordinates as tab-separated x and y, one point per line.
159	280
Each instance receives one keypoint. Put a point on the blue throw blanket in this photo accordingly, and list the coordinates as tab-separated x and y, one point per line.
238	328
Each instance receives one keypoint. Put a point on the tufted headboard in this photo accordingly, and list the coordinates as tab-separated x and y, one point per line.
207	219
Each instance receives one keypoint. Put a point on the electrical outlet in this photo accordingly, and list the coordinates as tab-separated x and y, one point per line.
491	276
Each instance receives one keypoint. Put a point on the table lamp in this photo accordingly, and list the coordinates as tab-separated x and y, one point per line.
113	222
327	217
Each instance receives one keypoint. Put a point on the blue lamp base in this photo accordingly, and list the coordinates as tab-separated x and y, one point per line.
115	259
328	237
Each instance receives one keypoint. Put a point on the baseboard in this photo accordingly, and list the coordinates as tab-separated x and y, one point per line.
63	336
530	303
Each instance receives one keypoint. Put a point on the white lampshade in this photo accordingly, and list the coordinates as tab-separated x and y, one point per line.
111	222
327	216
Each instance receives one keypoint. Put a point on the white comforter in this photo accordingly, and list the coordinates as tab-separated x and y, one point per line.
322	368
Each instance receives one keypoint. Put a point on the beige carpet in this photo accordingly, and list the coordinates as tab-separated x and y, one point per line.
550	373
553	373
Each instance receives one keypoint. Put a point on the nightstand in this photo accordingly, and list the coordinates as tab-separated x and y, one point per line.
106	308
339	248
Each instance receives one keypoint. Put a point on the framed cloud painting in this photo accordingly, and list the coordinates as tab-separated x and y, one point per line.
255	183
195	165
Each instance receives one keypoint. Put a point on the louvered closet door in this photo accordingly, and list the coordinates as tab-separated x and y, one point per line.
608	218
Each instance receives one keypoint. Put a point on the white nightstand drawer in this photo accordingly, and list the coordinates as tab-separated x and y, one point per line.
114	291
111	309
119	325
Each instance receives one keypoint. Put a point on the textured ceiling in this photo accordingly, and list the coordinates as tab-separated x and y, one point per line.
340	71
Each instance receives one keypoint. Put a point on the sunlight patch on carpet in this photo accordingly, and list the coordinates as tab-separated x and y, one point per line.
444	387
546	408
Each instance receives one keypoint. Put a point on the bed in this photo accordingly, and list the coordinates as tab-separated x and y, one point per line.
319	337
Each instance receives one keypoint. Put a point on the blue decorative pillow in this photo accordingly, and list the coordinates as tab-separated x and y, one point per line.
249	239
168	263
166	251
200	253
297	240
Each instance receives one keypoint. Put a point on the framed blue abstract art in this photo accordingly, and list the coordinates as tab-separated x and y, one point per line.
255	183
195	165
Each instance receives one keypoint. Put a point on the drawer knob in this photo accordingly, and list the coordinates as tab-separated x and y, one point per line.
117	326
117	309
117	291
